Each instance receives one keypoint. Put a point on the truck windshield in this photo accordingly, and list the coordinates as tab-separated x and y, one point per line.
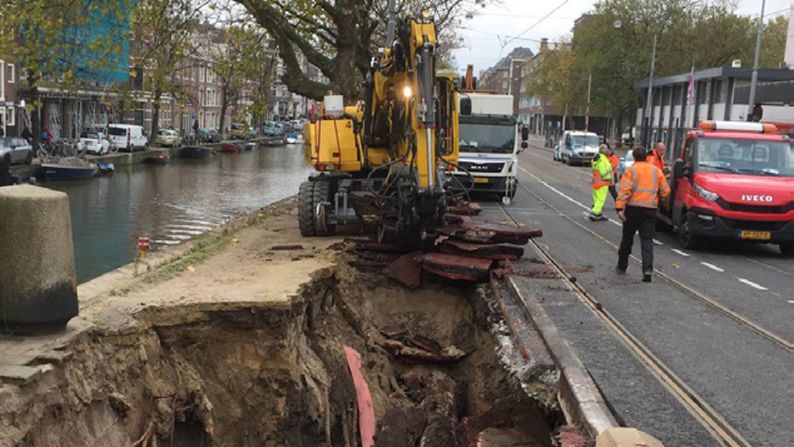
589	140
492	138
744	156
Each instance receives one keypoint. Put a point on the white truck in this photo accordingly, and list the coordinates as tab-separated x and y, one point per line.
490	140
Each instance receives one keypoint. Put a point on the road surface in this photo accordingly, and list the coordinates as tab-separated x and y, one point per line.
721	319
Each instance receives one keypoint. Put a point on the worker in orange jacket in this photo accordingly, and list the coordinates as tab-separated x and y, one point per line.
642	187
656	157
615	162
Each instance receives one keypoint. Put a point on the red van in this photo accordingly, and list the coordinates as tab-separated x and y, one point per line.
733	181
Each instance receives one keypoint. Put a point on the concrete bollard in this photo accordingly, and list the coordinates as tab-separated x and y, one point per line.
38	287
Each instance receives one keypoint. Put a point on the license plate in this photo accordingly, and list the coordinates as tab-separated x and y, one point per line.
480	180
757	235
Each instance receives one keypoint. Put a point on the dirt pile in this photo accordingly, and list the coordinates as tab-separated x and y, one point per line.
269	374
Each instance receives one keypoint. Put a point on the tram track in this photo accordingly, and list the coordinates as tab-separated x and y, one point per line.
755	327
701	410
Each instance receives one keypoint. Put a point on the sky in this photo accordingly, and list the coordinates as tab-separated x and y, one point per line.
490	34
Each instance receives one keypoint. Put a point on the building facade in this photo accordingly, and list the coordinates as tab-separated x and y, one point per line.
505	78
720	93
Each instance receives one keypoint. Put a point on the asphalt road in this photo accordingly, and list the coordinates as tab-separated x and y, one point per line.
722	319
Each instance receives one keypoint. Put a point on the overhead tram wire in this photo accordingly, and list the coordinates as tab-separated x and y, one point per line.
542	19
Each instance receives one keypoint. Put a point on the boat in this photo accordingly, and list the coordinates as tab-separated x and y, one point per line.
106	167
232	148
196	152
249	146
160	159
294	138
68	168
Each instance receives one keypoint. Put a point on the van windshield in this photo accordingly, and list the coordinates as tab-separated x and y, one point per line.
745	156
117	131
589	140
491	138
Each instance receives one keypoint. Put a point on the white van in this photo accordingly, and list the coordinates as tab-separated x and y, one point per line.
127	137
576	147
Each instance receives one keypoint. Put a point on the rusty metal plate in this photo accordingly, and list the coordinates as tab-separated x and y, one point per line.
495	252
456	267
406	269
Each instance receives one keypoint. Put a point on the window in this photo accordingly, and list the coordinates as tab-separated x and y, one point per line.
2	80
12	75
11	116
718	96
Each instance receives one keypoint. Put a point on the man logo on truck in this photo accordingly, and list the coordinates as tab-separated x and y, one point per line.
756	198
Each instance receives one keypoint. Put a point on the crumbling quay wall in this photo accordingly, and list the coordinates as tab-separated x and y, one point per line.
254	374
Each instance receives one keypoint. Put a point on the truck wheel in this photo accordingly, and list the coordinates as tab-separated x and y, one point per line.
787	249
685	238
306	209
322	194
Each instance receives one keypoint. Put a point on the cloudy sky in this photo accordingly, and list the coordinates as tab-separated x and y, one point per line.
490	35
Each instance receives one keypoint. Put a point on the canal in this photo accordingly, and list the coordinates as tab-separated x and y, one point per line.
172	203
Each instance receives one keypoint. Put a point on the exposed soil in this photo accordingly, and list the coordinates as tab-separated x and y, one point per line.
201	363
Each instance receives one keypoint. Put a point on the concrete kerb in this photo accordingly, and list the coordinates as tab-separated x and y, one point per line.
579	397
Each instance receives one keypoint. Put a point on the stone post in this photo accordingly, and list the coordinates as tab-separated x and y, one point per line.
38	287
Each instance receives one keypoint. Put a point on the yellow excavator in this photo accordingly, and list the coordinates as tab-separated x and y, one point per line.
383	161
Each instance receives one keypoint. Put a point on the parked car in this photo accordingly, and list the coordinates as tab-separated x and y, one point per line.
127	137
15	150
272	129
239	131
214	136
168	137
625	162
93	142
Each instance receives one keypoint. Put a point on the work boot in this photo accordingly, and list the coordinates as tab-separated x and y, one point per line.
646	275
620	271
596	217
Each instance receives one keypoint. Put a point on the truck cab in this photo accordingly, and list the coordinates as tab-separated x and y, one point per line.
490	140
733	181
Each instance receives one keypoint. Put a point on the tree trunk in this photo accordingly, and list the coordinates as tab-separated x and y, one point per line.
224	107
158	93
35	115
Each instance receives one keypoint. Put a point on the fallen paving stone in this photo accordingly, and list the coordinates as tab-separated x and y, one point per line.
22	374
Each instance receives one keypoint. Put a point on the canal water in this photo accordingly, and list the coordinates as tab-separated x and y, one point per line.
174	202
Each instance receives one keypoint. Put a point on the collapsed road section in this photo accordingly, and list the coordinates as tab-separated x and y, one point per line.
255	337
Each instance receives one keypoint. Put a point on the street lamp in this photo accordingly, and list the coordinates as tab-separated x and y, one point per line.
756	62
617	24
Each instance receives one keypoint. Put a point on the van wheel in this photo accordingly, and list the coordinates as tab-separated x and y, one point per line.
787	249
685	237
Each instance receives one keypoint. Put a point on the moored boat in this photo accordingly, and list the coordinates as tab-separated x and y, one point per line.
196	152
160	159
232	148
68	168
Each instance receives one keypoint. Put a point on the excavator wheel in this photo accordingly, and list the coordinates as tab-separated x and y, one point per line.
320	207
306	209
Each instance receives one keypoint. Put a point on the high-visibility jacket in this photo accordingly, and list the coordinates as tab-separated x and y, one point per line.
602	171
641	186
655	159
615	162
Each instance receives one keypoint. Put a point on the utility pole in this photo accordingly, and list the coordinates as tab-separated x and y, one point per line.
649	99
754	79
587	112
